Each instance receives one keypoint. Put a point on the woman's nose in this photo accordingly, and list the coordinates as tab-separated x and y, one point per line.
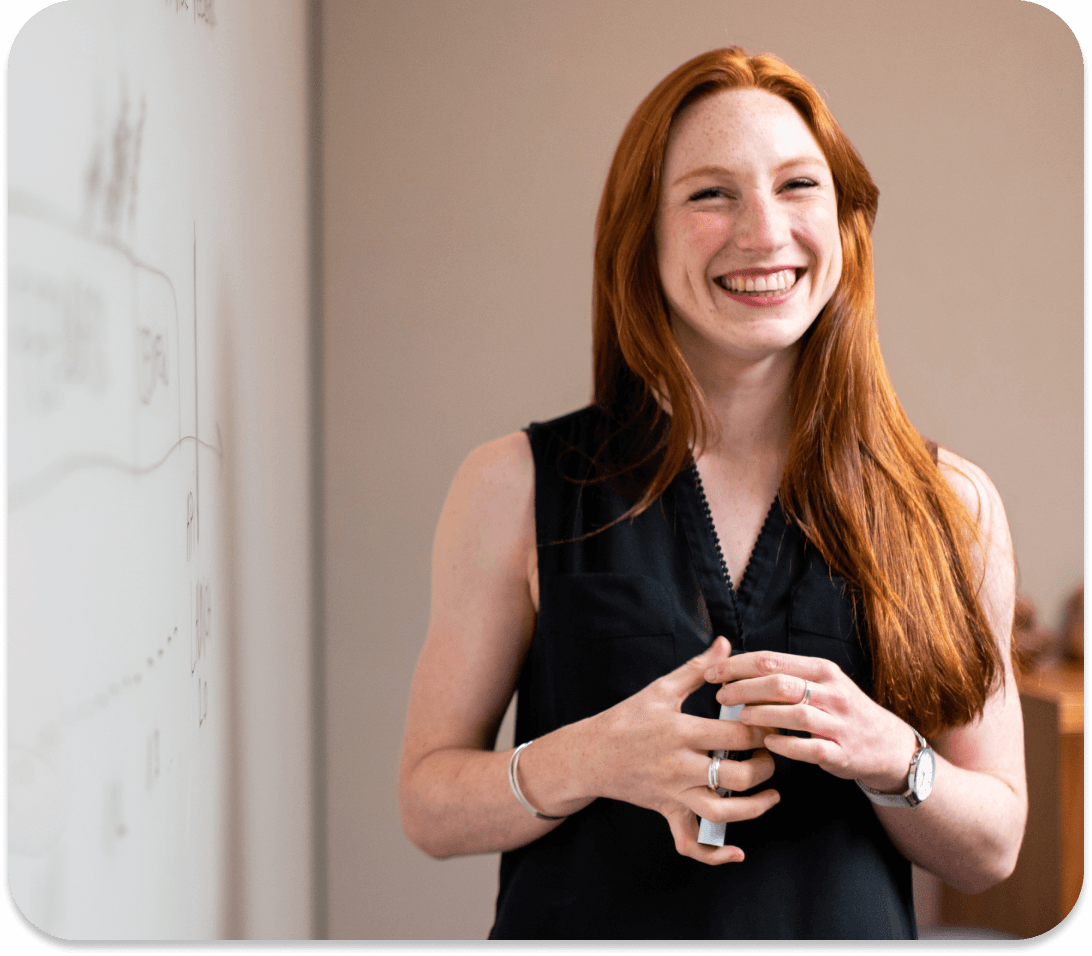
762	226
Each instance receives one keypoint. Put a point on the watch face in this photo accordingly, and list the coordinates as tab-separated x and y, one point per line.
923	774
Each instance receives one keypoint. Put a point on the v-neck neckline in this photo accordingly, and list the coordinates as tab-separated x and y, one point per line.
734	603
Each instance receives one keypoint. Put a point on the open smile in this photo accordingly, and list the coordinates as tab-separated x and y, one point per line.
760	283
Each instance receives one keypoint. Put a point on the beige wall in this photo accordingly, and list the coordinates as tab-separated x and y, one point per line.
265	306
465	146
263	302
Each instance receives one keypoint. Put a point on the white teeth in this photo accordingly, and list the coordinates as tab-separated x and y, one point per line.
774	282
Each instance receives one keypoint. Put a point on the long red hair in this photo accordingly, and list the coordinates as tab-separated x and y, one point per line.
859	480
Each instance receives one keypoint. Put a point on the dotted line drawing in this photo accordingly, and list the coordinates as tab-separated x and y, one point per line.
115	689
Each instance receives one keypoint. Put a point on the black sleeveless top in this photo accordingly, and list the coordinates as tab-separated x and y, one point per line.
623	607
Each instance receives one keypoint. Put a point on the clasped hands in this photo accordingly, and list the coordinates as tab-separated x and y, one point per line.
655	756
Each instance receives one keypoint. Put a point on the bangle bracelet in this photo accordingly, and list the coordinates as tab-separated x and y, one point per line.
513	763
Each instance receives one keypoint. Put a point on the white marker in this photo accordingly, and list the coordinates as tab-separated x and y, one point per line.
710	833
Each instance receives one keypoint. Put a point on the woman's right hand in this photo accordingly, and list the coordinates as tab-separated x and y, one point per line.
647	752
453	787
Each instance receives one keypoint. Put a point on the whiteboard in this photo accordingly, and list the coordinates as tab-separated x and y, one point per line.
118	637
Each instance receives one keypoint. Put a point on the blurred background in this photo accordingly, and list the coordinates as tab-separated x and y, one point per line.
377	218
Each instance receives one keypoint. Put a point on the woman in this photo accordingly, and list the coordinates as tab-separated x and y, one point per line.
588	562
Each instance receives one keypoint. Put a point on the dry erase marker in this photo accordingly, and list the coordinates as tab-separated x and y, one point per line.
710	833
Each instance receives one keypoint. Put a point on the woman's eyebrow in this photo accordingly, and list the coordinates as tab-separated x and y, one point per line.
805	160
702	171
808	159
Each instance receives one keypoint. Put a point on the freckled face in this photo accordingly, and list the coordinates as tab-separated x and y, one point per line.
747	229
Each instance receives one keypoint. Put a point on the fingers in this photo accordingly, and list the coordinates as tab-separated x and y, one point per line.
816	750
790	717
703	802
773	689
766	663
732	775
703	733
738	775
684	828
684	680
732	809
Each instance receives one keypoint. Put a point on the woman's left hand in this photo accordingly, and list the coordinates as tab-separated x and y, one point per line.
852	736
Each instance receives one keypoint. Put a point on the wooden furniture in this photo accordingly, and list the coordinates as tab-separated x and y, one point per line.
1047	880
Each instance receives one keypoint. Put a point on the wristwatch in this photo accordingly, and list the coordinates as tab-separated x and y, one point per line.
919	782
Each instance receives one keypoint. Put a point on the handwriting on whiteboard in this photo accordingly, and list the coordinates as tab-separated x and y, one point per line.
202	10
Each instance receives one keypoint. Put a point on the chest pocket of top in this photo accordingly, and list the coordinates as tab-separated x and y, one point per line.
822	622
613	634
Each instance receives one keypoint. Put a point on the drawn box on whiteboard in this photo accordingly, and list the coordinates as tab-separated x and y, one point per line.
93	361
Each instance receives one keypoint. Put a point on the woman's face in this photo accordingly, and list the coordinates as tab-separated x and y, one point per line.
747	229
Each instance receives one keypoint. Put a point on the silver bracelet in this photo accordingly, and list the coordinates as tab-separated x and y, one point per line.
513	763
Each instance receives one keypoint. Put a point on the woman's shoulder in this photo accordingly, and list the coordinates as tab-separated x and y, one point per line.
487	525
973	487
508	462
980	497
573	427
500	474
498	468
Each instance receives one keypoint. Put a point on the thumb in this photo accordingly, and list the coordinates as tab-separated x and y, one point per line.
687	678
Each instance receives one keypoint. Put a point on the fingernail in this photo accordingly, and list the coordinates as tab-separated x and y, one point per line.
711	674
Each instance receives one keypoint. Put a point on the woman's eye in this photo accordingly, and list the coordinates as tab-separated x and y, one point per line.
712	192
800	183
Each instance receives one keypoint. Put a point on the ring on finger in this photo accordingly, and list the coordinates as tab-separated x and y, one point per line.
807	693
714	773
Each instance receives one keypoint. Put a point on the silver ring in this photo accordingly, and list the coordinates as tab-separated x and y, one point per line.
714	773
807	692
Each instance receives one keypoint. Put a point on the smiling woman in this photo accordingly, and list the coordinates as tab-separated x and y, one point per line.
744	518
747	209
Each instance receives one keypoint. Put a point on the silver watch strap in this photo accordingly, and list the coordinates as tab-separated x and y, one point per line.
905	799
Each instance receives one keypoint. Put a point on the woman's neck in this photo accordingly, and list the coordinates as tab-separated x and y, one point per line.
750	407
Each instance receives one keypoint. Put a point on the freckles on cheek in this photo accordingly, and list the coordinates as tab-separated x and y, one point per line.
707	234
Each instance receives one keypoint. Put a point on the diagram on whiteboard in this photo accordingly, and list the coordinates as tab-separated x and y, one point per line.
116	514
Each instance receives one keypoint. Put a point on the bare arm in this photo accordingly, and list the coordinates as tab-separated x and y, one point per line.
453	789
970	828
